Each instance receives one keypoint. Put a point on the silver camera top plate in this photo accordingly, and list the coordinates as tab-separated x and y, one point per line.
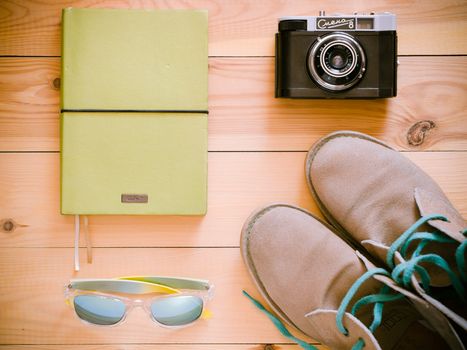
362	22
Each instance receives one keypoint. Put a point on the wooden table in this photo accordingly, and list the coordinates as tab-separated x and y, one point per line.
257	146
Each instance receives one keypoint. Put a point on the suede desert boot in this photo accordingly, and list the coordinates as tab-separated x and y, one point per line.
381	203
313	280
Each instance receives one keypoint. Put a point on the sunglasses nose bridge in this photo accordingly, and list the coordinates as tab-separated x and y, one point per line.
141	303
138	303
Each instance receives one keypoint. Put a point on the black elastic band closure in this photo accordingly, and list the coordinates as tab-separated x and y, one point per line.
135	111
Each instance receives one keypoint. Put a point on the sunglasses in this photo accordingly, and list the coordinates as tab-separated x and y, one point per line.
179	301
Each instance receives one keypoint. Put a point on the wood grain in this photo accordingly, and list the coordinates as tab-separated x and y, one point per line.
244	27
429	114
29	103
238	184
34	311
244	115
158	347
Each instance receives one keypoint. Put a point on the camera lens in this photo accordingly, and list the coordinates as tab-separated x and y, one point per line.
339	57
336	61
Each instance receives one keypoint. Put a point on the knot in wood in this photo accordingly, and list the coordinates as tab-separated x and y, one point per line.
8	225
269	347
56	83
418	132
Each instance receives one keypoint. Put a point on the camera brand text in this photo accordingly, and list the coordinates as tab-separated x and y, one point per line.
328	23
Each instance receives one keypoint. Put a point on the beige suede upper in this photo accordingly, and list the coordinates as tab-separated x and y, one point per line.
374	193
304	270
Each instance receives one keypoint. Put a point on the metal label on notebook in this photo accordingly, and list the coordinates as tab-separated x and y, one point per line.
134	198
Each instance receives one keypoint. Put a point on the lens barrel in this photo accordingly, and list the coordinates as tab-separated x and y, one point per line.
336	61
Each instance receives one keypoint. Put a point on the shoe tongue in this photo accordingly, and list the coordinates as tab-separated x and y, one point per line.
398	320
430	313
438	277
433	318
428	204
398	317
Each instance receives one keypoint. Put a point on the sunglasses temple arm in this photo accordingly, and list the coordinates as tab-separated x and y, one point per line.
76	242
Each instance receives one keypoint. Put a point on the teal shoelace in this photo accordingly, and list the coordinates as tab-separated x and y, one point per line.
402	273
279	325
385	295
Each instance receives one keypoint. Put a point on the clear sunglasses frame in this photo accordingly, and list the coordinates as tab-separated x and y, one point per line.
145	303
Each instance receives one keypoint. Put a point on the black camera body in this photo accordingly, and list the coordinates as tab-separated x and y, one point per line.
337	56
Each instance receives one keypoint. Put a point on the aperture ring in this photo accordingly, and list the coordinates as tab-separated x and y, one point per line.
332	79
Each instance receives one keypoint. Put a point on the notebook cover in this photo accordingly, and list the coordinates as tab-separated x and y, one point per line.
160	157
134	59
123	71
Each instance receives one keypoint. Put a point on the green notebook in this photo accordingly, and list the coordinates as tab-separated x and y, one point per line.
134	112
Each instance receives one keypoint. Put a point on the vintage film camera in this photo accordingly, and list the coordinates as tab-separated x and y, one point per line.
338	56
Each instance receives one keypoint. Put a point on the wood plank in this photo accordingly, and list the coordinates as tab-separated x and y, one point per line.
431	97
29	104
158	347
246	27
238	183
34	312
244	115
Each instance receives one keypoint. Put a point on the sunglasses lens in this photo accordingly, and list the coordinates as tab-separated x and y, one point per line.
98	309
177	310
